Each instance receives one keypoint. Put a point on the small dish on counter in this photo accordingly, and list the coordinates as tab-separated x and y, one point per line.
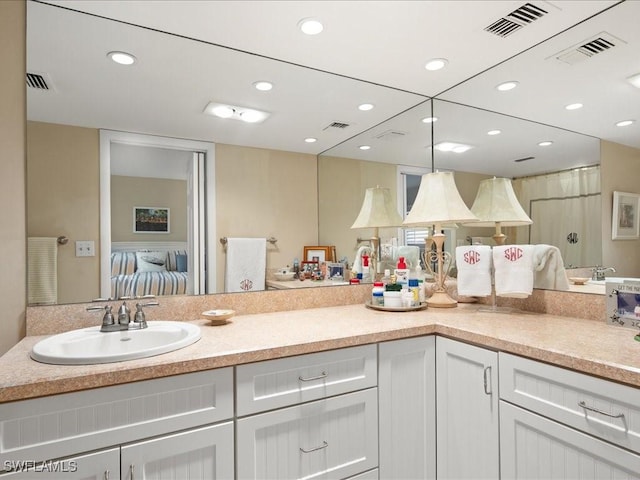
382	308
579	280
284	276
218	317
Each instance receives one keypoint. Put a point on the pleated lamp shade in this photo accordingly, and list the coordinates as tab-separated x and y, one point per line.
378	210
438	202
496	202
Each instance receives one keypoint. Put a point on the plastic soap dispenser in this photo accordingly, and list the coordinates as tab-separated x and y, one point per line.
402	272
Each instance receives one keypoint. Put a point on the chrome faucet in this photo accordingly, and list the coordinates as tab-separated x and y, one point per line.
598	272
123	321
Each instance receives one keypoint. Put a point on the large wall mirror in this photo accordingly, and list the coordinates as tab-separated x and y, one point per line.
267	180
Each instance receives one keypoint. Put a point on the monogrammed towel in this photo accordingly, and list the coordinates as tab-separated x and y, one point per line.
474	270
513	265
246	264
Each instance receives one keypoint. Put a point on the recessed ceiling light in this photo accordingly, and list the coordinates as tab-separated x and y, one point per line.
494	132
452	147
429	119
223	111
123	58
310	26
263	86
634	80
233	112
310	140
364	147
503	87
574	106
436	64
545	143
624	123
365	107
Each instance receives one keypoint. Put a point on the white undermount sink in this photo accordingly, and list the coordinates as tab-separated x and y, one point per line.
89	346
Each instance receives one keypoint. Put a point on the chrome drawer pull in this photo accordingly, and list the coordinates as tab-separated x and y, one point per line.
310	379
324	445
487	381
591	409
106	475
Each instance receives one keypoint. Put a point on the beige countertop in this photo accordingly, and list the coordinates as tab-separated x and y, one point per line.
589	346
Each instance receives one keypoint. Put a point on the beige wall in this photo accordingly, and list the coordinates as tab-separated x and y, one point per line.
127	192
263	193
619	171
63	185
12	172
341	184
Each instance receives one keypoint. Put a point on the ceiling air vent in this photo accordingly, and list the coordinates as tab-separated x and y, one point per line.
586	49
390	135
339	125
38	81
524	159
520	17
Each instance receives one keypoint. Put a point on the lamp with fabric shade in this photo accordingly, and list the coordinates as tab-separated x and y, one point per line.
438	203
496	205
378	211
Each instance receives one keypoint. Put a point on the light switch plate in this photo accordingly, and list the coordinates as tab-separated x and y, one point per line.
85	248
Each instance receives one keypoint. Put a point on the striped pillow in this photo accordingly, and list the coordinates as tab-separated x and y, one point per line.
123	263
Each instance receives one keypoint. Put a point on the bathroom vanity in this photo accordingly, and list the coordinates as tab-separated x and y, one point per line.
340	392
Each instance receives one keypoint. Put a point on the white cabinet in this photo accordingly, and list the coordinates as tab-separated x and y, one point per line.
533	447
200	454
467	418
335	437
102	465
407	408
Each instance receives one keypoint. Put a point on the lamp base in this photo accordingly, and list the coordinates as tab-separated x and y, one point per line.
441	300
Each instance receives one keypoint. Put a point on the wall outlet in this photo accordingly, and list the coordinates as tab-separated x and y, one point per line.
85	248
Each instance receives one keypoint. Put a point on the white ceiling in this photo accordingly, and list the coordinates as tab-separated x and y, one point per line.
368	52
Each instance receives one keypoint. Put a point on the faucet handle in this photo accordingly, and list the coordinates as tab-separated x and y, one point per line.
139	319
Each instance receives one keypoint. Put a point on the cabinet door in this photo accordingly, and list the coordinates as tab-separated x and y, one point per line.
467	418
102	465
533	447
407	408
200	454
332	438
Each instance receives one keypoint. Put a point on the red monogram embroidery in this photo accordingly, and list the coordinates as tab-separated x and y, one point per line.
471	257
246	284
513	254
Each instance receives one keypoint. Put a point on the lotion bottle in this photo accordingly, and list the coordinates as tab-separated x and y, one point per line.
402	272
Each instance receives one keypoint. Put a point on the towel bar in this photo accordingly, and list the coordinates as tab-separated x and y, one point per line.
271	240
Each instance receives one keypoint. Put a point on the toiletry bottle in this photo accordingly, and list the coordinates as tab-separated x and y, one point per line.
402	272
387	277
366	275
415	291
377	294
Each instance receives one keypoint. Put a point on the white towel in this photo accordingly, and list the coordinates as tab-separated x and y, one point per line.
42	270
474	270
246	264
549	268
513	266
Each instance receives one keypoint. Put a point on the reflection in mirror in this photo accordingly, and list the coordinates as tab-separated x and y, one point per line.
265	178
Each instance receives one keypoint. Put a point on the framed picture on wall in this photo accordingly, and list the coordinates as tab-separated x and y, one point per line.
151	220
625	221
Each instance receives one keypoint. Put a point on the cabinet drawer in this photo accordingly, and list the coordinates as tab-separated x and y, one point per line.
605	409
288	381
331	438
61	425
533	447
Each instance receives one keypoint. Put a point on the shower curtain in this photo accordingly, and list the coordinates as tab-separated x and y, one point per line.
565	208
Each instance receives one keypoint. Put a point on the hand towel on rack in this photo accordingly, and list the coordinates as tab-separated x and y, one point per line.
42	270
549	268
513	265
246	264
474	270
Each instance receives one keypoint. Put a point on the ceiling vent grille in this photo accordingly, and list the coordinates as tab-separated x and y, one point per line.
390	135
524	159
338	125
520	17
38	81
600	43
